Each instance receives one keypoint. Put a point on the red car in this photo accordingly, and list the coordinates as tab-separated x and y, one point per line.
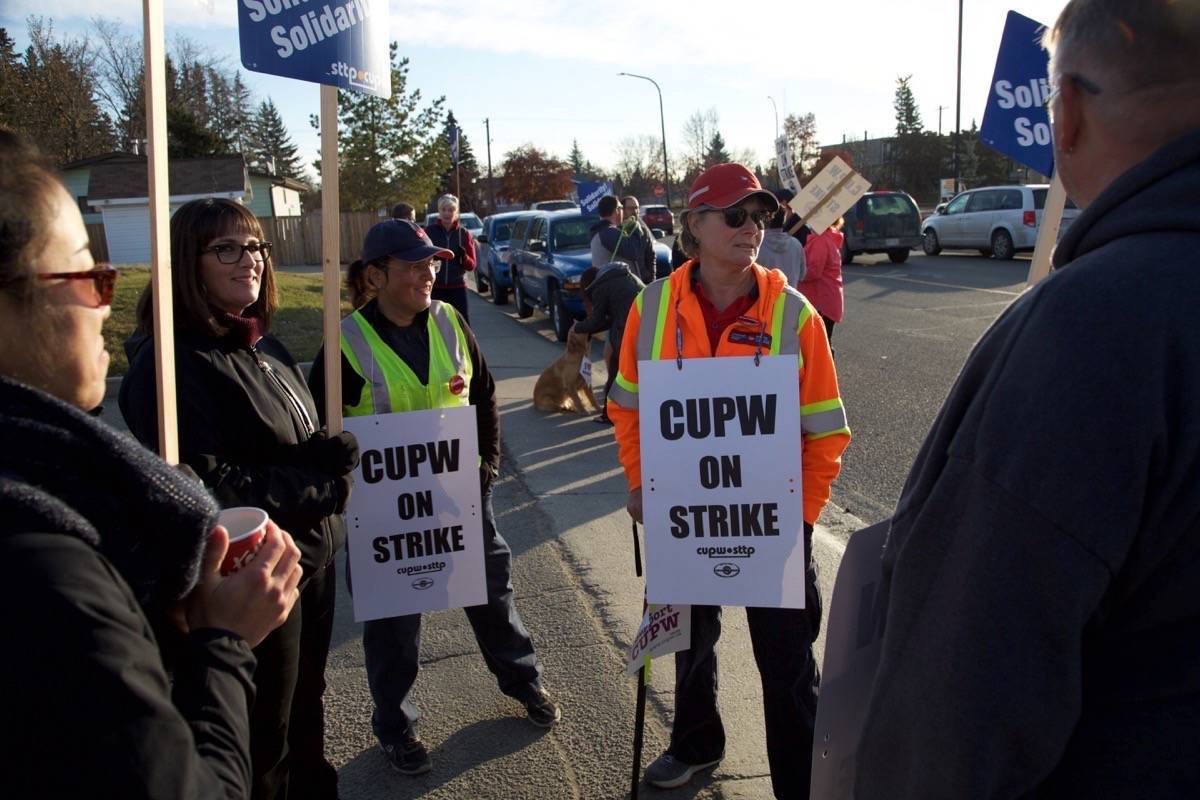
659	217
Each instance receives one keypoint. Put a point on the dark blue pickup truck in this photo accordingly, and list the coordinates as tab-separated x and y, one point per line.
548	251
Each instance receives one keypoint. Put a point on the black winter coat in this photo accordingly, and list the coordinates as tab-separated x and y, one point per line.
244	416
612	293
97	537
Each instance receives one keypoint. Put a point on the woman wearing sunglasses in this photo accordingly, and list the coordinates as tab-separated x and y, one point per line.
721	303
248	427
107	553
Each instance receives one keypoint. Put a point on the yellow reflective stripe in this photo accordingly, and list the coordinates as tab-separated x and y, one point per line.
820	405
664	298
447	324
777	328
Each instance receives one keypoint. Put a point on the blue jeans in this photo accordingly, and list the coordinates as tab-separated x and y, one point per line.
392	645
782	639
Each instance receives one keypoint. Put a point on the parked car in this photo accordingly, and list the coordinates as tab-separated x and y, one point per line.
470	221
659	217
492	273
554	205
548	252
882	222
997	221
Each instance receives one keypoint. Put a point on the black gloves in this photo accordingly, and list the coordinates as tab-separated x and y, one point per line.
335	454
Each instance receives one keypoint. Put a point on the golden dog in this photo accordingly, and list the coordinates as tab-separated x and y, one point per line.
559	387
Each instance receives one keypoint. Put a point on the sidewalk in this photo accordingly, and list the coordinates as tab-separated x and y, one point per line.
560	505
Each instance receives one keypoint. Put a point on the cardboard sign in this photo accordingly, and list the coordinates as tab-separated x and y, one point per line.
415	520
853	642
1015	121
664	629
787	167
342	43
828	196
721	484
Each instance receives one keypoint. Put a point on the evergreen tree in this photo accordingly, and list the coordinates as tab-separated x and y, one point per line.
466	183
916	159
908	116
389	148
717	154
269	140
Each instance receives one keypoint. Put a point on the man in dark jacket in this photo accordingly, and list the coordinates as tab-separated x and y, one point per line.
450	284
1043	621
611	293
615	238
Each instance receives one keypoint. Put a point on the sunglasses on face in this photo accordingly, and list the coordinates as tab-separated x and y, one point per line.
229	253
735	216
103	278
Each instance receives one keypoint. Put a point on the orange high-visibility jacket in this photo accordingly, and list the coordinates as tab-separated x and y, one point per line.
822	418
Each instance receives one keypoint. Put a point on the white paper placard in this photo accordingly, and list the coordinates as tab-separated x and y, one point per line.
829	195
787	168
585	371
664	629
721	482
415	520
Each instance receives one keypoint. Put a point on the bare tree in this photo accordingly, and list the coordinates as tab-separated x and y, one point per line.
801	133
698	133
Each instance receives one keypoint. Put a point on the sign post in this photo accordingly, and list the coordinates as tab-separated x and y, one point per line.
1016	123
160	234
338	46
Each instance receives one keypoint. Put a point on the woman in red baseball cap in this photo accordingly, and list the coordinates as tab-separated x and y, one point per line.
714	306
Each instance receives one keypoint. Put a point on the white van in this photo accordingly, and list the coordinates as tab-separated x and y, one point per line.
996	220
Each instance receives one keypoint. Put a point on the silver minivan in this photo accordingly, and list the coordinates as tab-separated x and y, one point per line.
996	220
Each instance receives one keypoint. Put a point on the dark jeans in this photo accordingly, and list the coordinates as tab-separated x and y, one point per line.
782	639
391	645
828	327
455	297
287	721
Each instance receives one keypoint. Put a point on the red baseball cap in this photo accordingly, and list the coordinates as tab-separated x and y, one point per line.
725	185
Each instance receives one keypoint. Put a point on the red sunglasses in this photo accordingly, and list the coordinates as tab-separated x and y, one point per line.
103	278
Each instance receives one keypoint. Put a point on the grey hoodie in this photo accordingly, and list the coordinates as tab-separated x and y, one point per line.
781	251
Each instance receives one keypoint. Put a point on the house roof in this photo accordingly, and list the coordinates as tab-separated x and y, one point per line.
185	177
104	158
280	180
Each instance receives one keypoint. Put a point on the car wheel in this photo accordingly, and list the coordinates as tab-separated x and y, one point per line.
847	256
930	243
524	310
1002	245
898	256
560	317
499	294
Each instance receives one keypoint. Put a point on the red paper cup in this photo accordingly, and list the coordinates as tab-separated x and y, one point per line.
247	528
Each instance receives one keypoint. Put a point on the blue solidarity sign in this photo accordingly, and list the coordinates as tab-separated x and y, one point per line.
590	193
341	43
1015	120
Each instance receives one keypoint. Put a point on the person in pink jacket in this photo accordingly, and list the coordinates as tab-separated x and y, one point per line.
822	283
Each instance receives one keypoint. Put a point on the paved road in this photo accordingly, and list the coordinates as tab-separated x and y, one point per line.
907	332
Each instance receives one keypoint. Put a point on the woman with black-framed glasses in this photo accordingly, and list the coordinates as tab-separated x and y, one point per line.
109	557
248	427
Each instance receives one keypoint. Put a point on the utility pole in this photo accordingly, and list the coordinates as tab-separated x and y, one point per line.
491	187
776	108
940	110
958	97
457	179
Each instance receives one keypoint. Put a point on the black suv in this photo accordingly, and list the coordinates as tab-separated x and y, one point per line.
882	222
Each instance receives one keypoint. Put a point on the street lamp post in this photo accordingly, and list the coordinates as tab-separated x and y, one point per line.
958	97
776	108
663	122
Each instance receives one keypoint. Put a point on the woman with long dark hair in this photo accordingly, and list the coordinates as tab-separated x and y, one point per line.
248	427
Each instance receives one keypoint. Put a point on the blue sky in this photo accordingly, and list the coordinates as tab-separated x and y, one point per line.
545	71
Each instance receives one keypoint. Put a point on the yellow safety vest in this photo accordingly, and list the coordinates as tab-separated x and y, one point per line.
390	385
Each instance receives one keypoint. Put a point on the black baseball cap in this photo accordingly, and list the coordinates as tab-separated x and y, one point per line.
401	239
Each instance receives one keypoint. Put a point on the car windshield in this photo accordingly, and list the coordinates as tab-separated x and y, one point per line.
572	234
470	221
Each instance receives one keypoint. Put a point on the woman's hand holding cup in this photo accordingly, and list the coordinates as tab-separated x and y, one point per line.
255	599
